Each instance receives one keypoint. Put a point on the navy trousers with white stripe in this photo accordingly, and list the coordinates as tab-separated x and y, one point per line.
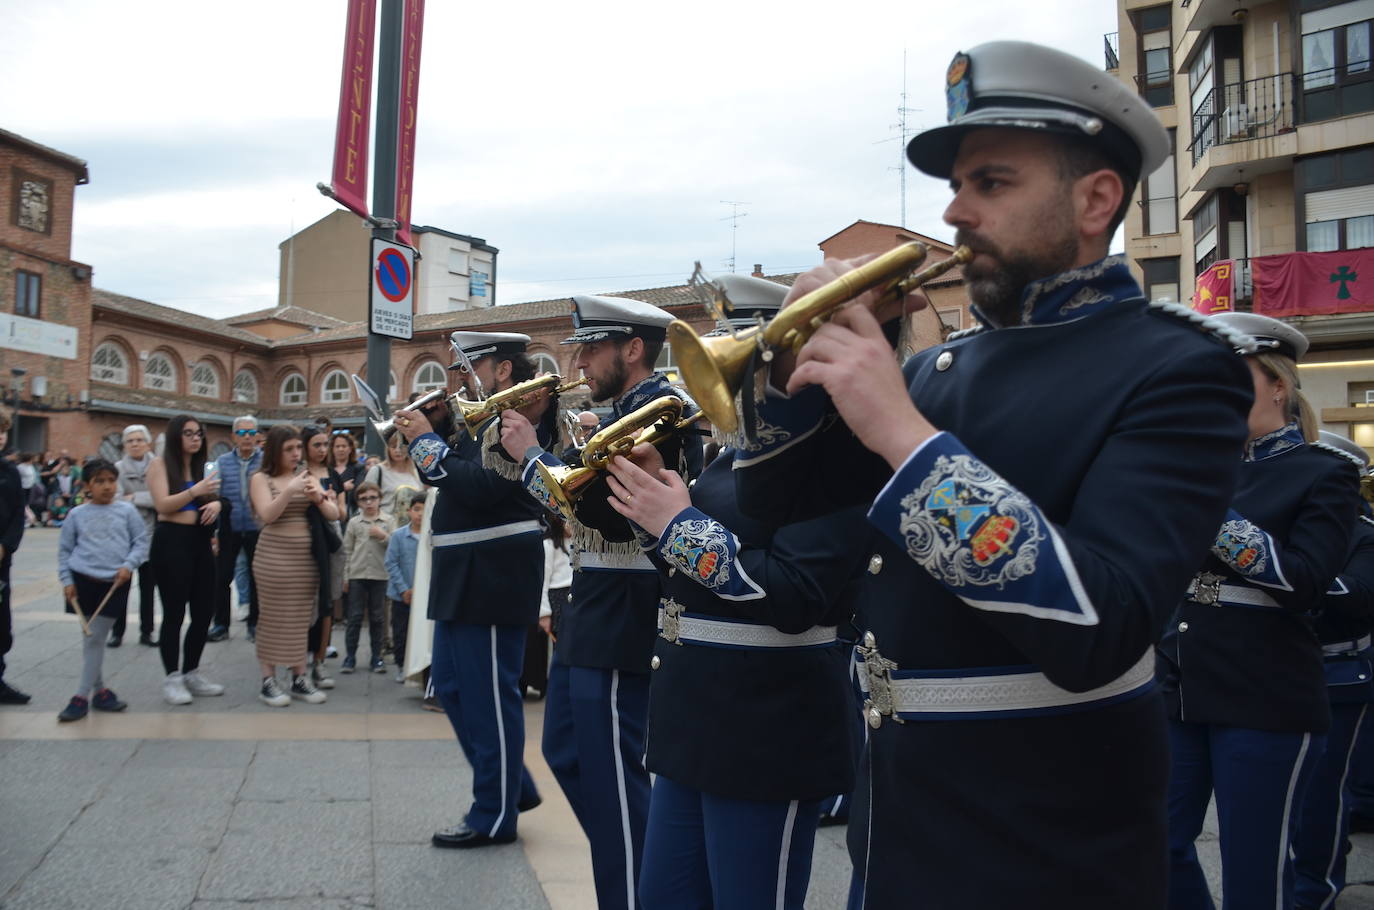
1320	845
705	852
475	672
1259	779
594	726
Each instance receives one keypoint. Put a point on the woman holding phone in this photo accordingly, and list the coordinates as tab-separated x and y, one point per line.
184	496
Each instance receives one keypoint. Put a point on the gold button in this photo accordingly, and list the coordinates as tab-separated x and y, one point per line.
944	361
655	662
875	564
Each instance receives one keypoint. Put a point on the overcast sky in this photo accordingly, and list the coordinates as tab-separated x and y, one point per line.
592	143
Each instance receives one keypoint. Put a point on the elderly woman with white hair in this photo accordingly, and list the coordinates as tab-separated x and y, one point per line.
133	487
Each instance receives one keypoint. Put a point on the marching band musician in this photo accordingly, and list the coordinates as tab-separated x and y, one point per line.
750	710
1239	663
597	707
1040	487
485	589
1343	628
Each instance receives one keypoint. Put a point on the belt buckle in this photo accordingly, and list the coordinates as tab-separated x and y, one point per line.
877	671
1207	588
672	626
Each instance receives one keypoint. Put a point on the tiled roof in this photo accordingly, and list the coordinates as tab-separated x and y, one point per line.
159	313
295	315
77	165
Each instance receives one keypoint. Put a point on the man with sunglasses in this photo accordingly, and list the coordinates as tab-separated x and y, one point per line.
240	532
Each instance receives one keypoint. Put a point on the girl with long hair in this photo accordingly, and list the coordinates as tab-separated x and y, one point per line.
343	459
319	449
285	566
183	562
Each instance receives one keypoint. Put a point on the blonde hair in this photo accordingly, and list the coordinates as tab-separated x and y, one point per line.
1280	368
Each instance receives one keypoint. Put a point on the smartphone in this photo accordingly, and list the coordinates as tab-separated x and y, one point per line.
211	469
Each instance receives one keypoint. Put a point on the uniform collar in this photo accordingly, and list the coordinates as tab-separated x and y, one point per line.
1074	294
640	394
1284	439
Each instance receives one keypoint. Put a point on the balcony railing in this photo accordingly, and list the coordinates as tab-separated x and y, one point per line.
1254	109
1111	44
1242	287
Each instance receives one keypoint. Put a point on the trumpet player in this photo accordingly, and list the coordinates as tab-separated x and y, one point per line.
1038	490
484	590
597	706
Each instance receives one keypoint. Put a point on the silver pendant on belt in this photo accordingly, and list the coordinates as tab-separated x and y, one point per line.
1207	588
672	612
877	671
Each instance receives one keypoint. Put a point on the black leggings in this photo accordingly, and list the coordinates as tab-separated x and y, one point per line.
185	570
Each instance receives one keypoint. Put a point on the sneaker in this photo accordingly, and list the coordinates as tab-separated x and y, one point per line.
400	676
12	696
252	634
271	693
378	665
430	703
217	633
199	686
106	700
321	679
174	690
115	641
304	689
75	710
348	665
331	651
146	639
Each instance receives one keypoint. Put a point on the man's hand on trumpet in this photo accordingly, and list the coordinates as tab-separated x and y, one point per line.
849	356
517	434
412	424
645	491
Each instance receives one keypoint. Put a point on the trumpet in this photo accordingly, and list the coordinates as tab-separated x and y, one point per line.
658	420
386	429
714	369
476	413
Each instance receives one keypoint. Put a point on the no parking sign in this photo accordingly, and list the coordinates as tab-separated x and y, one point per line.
392	283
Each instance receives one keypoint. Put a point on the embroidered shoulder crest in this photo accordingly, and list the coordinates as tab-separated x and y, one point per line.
1239	342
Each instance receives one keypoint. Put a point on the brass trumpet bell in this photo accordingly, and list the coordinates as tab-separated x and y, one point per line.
475	413
386	429
714	369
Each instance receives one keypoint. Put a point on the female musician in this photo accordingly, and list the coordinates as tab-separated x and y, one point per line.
285	567
183	562
319	447
1239	663
750	705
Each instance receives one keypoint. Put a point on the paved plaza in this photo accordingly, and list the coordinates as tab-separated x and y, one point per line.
313	807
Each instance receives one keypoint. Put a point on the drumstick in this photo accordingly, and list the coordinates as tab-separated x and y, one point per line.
81	617
106	599
85	623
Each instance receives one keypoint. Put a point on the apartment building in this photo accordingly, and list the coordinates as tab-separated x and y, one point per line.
1271	111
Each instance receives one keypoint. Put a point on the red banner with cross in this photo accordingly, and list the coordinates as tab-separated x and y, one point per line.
1215	289
1314	284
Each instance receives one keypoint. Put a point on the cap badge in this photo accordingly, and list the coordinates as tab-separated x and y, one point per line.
958	86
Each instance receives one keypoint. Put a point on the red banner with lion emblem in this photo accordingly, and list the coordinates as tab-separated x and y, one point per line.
1216	289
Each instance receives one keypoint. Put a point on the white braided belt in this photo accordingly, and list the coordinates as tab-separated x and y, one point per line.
1008	692
695	629
1346	647
478	535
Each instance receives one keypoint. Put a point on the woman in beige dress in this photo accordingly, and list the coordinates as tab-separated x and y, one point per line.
284	568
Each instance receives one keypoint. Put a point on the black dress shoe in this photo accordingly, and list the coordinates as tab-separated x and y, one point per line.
11	696
217	633
115	641
461	837
532	801
146	638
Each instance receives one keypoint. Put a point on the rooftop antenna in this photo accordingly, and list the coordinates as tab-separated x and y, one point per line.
905	132
733	218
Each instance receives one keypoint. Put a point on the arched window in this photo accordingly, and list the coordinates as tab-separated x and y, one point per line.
111	446
429	376
293	390
391	389
108	364
335	390
159	374
218	449
544	363
204	380
245	387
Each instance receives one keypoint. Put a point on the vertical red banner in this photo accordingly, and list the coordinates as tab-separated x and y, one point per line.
1215	289
353	131
412	29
